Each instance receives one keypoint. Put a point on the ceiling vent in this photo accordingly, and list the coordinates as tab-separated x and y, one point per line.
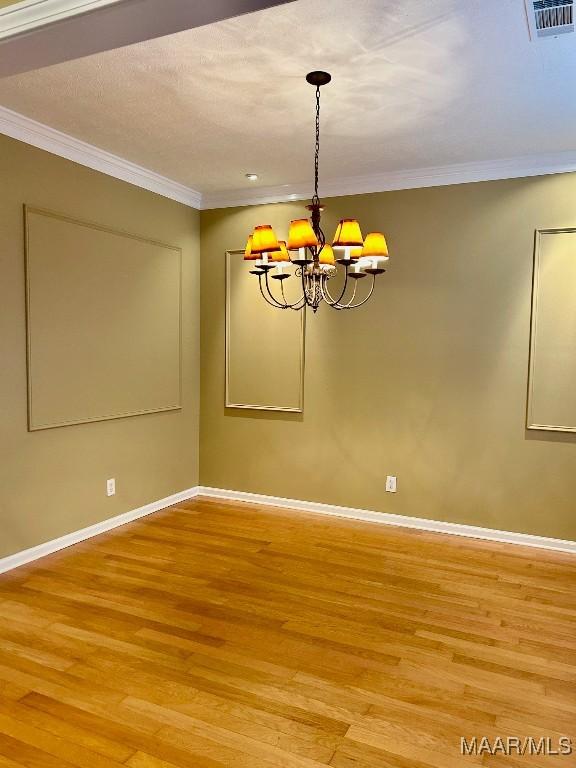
549	18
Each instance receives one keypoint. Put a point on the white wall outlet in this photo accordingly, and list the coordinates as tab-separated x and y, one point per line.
391	484
111	487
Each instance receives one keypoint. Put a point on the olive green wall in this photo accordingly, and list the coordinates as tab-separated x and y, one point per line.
426	382
53	482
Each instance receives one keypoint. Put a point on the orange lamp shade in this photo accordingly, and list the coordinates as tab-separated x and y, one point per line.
248	255
375	246
301	235
281	255
264	240
327	255
348	234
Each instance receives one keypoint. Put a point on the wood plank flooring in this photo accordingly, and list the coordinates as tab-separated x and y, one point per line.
218	634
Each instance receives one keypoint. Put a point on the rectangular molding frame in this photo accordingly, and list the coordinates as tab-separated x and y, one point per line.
228	403
383	518
531	422
31	210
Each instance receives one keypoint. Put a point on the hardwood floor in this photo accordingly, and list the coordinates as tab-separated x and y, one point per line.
217	634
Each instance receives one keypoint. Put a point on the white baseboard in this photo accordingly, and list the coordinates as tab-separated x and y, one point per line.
35	553
385	518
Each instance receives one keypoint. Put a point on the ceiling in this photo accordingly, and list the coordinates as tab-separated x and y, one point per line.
415	84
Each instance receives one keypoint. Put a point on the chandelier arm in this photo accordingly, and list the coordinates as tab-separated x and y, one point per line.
349	304
364	300
279	304
272	301
353	293
326	296
334	301
328	299
270	294
325	292
294	305
344	288
301	305
345	305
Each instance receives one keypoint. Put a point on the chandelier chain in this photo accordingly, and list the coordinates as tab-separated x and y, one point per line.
317	148
315	207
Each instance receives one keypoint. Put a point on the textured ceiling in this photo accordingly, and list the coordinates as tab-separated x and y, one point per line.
415	84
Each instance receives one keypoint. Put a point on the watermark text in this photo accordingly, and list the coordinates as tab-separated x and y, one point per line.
516	745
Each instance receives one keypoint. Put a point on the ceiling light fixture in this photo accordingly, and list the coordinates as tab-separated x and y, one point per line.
314	259
251	176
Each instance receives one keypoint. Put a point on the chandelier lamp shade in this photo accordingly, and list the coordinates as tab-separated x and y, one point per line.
375	247
348	235
301	235
307	256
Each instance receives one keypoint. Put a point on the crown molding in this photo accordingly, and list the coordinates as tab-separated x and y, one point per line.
37	134
24	129
437	176
29	14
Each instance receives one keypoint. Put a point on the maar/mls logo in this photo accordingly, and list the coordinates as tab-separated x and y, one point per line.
514	745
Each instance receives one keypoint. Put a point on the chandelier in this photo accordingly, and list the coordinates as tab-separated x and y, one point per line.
309	258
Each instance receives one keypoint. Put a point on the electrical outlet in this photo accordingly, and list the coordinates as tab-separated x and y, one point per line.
391	484
111	487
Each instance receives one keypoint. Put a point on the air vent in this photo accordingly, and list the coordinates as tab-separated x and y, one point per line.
549	18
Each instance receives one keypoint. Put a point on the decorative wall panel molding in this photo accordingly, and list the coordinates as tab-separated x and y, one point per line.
264	347
103	322
552	385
